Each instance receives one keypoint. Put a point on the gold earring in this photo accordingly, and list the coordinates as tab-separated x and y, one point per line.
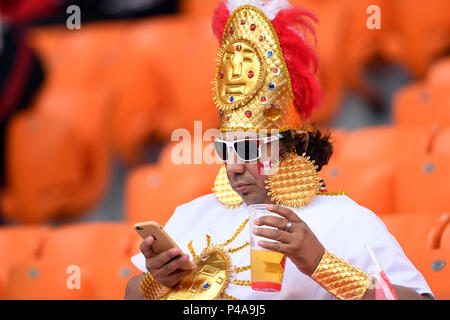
224	192
294	181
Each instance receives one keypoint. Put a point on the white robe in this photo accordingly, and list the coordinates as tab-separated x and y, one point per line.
341	225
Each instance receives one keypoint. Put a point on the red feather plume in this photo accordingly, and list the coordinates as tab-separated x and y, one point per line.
23	11
220	19
295	30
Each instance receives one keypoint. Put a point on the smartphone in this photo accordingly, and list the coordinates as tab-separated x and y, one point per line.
163	241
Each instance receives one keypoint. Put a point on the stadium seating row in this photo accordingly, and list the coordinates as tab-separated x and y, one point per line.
77	261
92	261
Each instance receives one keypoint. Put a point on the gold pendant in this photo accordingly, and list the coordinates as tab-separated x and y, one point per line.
224	192
209	280
295	182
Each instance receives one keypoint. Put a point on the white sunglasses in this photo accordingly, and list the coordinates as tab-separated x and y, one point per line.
245	149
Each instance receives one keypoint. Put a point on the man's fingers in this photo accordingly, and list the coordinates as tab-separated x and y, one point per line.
275	246
271	221
175	264
176	276
161	259
274	234
284	212
146	247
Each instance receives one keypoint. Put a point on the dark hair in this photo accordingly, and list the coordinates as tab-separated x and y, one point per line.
319	149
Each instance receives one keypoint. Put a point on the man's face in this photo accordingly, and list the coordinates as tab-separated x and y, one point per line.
246	178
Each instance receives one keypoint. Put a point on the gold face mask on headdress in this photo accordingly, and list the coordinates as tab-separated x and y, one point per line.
253	87
253	92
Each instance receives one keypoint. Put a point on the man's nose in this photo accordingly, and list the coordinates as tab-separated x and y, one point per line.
234	164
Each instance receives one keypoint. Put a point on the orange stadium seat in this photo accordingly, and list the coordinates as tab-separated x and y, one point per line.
50	280
198	7
441	142
420	34
136	111
422	184
417	232
41	159
80	57
445	240
338	137
434	265
368	183
153	192
88	243
439	73
385	143
175	77
421	104
361	43
18	243
57	157
110	283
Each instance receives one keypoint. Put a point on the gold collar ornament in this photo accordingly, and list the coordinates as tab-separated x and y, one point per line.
252	87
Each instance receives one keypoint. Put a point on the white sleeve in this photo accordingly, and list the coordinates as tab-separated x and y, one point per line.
139	261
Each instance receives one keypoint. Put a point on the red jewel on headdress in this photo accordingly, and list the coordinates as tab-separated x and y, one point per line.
221	75
253	27
238	47
228	118
248	113
242	21
261	38
230	30
263	100
250	74
276	71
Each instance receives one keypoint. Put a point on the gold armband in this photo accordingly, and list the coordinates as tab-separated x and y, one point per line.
340	278
152	289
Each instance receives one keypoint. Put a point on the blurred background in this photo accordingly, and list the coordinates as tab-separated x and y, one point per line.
87	116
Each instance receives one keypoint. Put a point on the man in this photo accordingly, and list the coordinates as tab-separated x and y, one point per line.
263	65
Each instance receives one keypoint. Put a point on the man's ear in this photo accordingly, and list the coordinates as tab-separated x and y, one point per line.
303	136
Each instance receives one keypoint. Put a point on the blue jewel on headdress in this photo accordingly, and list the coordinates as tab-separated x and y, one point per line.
231	99
206	286
271	86
269	53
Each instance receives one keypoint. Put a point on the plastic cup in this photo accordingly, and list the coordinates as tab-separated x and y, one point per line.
267	267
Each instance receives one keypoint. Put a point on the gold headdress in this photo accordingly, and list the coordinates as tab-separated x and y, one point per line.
253	87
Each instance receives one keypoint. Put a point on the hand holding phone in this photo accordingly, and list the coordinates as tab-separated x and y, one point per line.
164	259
